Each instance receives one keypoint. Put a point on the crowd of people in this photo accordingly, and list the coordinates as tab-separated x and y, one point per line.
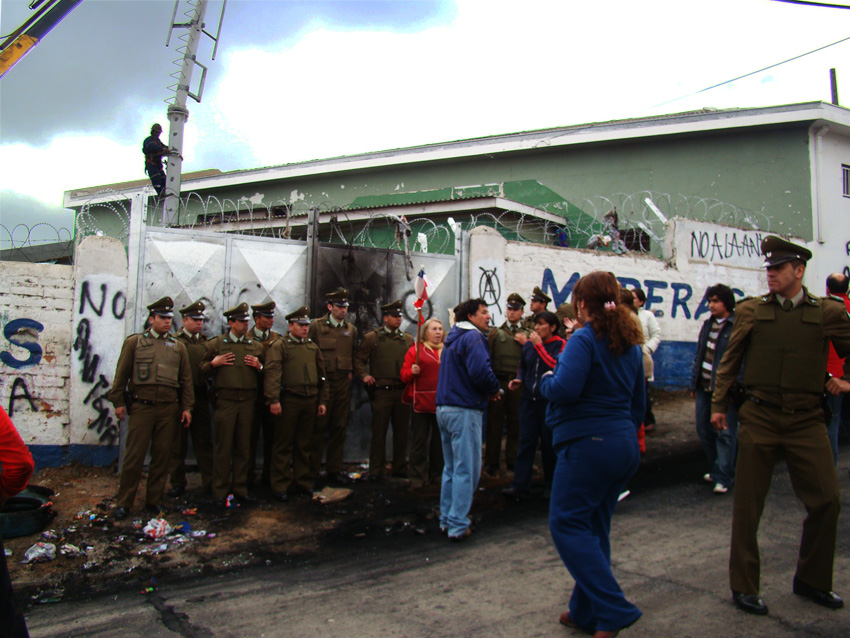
572	383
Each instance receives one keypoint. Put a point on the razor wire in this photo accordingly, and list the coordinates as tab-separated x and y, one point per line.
580	222
24	236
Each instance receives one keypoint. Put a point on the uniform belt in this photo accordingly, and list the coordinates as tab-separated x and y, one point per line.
394	386
295	395
776	406
149	402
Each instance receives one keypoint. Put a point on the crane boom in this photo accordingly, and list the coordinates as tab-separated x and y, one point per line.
22	40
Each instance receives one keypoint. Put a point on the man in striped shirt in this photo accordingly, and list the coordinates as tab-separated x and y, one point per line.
720	447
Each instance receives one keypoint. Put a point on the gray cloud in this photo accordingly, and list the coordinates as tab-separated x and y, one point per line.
26	220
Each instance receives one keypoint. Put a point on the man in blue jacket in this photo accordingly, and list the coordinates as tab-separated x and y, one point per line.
720	446
465	383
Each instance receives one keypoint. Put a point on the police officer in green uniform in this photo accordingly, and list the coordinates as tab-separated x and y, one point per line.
234	361
383	351
201	428
783	337
539	300
296	394
336	338
154	371
505	348
263	420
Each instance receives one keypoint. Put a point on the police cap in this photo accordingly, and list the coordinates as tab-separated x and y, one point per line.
301	315
777	251
237	313
338	297
163	307
566	311
515	302
539	295
264	309
393	309
194	311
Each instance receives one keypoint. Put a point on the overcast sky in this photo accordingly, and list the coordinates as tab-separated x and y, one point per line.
304	80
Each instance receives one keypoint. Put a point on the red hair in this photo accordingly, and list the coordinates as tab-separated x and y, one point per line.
600	292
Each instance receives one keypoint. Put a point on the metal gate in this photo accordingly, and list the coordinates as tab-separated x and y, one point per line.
223	270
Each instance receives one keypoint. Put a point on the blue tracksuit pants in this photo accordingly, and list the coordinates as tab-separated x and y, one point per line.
589	476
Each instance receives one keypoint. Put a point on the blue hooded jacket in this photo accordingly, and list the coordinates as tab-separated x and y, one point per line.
466	376
594	391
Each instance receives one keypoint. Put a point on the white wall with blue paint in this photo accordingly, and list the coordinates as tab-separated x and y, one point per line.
62	331
697	256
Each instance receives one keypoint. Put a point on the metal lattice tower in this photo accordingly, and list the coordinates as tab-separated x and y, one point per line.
178	114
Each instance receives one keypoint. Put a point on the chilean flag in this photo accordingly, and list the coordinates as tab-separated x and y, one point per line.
420	287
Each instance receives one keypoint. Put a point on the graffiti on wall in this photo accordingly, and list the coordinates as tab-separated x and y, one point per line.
489	287
23	334
725	246
101	306
672	298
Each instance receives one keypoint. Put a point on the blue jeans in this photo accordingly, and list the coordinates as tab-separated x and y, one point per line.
589	476
460	433
720	447
532	427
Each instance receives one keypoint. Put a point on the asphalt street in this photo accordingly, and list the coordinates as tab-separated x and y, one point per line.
670	543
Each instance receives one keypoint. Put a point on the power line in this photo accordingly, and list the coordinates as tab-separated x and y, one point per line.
746	75
815	4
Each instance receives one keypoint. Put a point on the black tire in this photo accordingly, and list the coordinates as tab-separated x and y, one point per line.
27	513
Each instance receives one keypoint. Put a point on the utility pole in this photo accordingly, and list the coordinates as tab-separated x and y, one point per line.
178	114
833	83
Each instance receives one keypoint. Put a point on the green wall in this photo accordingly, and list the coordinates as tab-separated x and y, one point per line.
763	170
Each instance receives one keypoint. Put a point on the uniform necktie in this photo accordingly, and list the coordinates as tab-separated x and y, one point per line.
788	304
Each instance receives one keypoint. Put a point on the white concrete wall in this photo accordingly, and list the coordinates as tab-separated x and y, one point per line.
35	315
100	303
59	349
699	255
831	228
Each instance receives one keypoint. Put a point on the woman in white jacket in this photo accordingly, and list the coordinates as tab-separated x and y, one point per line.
652	339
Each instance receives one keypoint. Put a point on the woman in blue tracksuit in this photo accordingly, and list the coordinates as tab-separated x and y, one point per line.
596	399
539	355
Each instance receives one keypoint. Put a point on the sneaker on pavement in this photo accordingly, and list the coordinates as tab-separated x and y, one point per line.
719	488
707	478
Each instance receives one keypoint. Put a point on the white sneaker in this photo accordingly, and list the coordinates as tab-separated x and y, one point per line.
623	495
719	488
707	478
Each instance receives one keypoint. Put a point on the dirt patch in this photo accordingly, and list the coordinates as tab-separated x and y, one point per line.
118	555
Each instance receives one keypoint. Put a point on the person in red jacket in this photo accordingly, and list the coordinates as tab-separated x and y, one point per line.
17	466
426	452
836	387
